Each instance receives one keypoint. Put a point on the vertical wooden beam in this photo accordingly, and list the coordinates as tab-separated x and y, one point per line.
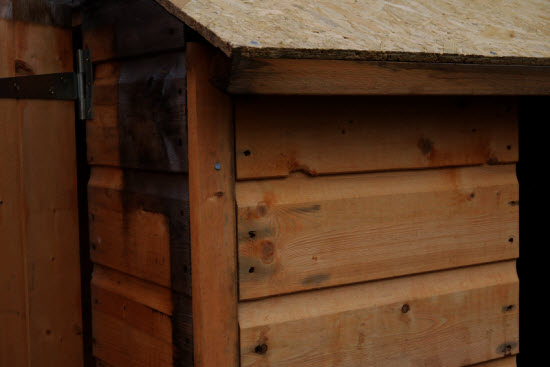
212	207
13	315
40	307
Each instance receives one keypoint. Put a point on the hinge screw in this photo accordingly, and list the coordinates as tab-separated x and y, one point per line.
17	87
51	91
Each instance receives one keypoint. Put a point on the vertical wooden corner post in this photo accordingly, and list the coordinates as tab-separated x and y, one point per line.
212	207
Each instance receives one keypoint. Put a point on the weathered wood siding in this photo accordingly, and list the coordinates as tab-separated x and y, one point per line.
40	306
377	230
138	194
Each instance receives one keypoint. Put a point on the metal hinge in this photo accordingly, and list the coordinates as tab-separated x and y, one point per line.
76	86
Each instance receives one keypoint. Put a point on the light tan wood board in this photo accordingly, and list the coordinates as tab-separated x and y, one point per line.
453	318
39	208
302	233
323	135
212	208
513	32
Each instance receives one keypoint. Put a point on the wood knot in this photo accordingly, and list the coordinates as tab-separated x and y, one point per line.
406	308
425	146
268	252
261	349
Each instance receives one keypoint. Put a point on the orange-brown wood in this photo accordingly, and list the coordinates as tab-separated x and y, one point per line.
311	232
452	318
40	175
501	362
212	206
324	135
13	310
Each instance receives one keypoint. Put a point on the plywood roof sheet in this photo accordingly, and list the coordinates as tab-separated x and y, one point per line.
477	31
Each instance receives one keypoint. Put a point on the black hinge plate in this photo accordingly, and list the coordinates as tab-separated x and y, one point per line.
76	86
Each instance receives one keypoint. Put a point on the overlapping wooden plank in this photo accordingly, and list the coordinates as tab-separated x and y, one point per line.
301	232
321	135
151	295
125	346
126	28
501	362
155	323
139	225
451	318
212	208
139	114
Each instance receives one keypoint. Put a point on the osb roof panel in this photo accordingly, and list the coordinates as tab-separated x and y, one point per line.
496	31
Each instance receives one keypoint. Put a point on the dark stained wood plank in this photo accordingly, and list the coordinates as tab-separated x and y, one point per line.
13	312
139	225
140	114
47	12
303	233
324	135
124	28
452	318
344	77
212	207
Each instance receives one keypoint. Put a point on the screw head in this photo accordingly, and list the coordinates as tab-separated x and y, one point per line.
51	90
406	308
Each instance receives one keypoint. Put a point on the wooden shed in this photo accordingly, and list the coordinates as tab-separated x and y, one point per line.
313	183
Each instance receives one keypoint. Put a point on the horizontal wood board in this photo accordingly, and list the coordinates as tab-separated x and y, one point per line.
129	28
134	321
302	233
138	222
509	32
344	77
323	135
453	318
139	114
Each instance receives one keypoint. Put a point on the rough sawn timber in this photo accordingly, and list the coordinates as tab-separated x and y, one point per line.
344	77
326	135
212	208
302	233
452	318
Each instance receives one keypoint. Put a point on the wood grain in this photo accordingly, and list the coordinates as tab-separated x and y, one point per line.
43	200
139	114
452	318
13	278
139	225
303	233
325	135
54	13
148	294
123	345
212	204
501	362
144	335
129	28
343	77
512	31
